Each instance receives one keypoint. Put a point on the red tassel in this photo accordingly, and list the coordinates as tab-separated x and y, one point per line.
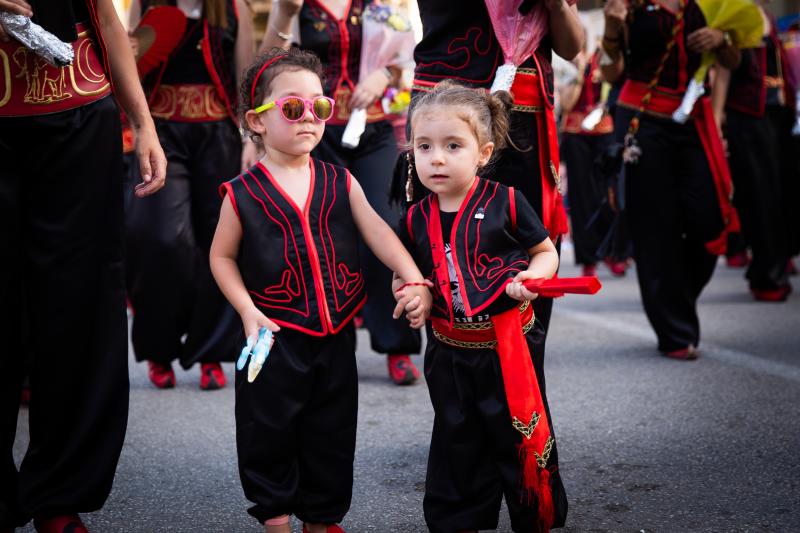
560	225
536	482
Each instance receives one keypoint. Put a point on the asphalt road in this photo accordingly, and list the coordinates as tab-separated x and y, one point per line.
646	443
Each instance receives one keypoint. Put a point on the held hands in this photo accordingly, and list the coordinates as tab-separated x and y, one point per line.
369	90
415	300
152	162
705	39
616	11
517	290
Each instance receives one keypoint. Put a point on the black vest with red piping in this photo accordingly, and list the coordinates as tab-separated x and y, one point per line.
300	265
485	253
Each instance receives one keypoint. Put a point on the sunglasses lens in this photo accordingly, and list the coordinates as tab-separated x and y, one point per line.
293	108
323	108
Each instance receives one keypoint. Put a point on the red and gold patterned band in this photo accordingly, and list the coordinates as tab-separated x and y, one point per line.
188	103
477	335
29	85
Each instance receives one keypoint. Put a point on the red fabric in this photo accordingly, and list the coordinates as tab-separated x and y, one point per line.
524	401
168	23
553	288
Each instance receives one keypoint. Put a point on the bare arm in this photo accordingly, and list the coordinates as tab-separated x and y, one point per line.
543	265
225	269
390	251
719	94
128	90
565	28
279	22
615	11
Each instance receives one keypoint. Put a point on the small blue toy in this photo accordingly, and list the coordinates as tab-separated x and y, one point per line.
259	353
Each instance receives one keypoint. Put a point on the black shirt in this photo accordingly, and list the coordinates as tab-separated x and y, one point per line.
186	64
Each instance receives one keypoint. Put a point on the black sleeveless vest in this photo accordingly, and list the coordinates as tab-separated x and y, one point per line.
219	53
300	265
747	91
485	254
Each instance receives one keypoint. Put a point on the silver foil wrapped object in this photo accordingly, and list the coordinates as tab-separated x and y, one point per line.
32	36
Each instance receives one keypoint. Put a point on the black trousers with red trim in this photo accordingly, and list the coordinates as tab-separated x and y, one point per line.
473	460
672	210
62	305
755	169
296	427
169	237
589	212
372	163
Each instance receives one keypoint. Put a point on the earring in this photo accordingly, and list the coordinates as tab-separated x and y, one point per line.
409	180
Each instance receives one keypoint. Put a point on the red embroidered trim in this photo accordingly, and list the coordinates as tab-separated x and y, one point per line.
227	190
512	207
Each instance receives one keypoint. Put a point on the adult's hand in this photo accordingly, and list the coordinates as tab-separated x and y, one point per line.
152	162
705	39
18	7
615	11
369	90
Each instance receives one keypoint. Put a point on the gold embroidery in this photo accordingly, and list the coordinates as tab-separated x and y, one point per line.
6	78
478	345
526	429
542	459
556	177
319	26
43	86
527	108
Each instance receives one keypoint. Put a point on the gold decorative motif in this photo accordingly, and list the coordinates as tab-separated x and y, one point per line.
542	459
556	177
44	83
6	78
478	345
320	26
527	108
526	429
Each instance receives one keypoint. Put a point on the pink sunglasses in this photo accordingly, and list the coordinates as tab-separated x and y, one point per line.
293	108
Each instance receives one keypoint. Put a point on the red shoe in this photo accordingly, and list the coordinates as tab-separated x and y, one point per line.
617	268
772	295
589	270
25	397
358	321
685	354
401	369
60	524
211	376
790	268
161	376
738	260
331	529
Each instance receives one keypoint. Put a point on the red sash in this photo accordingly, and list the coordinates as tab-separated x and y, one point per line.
663	103
32	86
187	103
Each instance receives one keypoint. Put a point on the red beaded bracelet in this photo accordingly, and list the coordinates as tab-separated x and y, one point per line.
410	284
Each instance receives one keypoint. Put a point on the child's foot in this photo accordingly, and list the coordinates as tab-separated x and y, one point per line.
401	369
161	376
617	268
737	260
589	270
211	376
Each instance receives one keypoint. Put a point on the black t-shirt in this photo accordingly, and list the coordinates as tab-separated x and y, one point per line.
59	17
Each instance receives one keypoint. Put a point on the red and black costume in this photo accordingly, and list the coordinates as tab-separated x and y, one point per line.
588	209
479	343
678	194
61	282
459	44
192	98
753	145
296	423
337	42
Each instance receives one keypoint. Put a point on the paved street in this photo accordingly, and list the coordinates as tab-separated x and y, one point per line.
646	444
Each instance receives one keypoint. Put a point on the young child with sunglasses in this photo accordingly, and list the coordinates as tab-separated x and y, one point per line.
478	240
285	254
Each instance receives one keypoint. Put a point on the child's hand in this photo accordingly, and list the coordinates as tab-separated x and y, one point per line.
517	290
416	301
253	320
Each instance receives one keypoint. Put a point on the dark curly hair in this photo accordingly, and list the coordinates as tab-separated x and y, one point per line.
294	59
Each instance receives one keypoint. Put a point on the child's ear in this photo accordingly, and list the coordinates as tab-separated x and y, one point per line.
485	153
255	125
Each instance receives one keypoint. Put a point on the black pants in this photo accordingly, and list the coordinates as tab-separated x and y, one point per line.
672	211
589	211
473	460
169	236
62	304
296	428
755	168
372	163
788	146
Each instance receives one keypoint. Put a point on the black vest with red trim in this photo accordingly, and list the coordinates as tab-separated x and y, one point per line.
484	252
747	91
219	48
300	266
